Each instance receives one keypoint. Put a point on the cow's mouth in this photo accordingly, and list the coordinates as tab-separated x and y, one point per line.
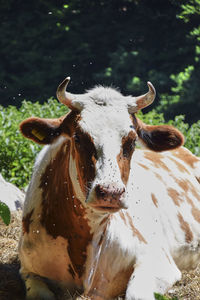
106	208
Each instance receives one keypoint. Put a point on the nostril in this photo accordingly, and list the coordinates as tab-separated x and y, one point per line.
100	191
121	191
109	191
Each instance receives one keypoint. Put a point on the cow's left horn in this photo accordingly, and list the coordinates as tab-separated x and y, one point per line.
143	101
67	98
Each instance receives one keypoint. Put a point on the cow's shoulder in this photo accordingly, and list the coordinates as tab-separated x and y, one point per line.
184	156
176	161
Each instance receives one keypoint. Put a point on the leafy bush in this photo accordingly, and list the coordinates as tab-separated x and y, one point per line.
160	297
17	154
4	213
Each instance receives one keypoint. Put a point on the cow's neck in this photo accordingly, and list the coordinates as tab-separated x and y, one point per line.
62	212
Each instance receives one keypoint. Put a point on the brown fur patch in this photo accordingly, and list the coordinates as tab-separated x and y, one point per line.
126	218
71	271
143	166
104	288
198	179
181	167
175	196
84	153
122	216
186	156
124	157
186	185
135	230
158	176
196	213
62	213
156	159
26	221
154	199
186	228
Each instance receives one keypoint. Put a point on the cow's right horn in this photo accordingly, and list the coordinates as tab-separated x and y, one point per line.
68	99
143	101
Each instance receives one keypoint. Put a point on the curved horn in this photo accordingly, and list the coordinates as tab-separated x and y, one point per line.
65	97
143	100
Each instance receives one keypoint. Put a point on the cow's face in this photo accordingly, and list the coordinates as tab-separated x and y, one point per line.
102	130
104	141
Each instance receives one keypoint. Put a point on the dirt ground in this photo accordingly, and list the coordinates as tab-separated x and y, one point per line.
12	288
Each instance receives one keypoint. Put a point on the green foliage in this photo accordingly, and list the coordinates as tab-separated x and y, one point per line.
190	8
160	297
17	154
191	133
151	118
5	213
182	96
44	41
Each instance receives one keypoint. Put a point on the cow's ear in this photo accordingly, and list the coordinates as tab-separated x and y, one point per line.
160	138
41	131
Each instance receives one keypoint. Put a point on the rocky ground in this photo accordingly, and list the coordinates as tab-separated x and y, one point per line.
12	288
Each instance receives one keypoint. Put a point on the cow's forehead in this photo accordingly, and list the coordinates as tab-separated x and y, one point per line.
105	114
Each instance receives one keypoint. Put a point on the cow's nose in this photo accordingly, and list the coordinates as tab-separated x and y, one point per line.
111	191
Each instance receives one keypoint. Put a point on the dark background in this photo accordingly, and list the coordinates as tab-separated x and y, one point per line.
121	43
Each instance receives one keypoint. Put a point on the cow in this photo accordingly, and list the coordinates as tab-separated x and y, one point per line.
101	215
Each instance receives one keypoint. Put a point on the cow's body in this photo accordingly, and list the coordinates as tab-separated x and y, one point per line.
104	250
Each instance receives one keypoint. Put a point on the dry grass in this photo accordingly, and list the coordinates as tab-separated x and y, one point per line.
189	287
12	288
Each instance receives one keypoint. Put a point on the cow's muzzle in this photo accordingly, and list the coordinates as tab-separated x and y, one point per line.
108	198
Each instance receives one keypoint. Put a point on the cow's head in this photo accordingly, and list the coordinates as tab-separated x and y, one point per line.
102	129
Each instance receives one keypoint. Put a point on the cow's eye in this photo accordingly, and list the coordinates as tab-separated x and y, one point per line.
77	139
128	147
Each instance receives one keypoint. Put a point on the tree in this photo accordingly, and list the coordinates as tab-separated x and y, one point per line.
118	42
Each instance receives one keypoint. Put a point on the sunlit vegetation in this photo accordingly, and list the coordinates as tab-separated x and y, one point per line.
17	154
122	43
